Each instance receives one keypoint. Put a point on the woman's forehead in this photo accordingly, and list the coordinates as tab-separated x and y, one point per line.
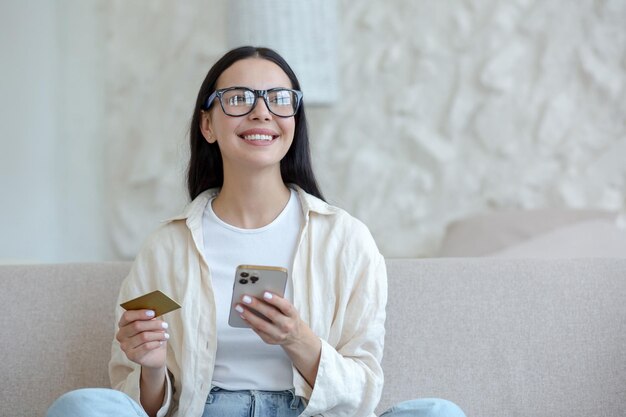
255	73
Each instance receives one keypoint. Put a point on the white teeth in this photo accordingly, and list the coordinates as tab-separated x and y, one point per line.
258	137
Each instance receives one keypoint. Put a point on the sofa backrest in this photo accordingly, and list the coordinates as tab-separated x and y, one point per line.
508	337
498	337
57	329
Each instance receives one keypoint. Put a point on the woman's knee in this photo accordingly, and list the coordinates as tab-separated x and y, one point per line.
94	402
425	407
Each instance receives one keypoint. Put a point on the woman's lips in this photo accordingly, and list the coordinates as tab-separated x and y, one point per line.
258	135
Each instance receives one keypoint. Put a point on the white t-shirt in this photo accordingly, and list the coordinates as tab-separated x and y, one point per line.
243	361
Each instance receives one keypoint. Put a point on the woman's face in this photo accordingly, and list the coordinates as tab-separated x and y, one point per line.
244	141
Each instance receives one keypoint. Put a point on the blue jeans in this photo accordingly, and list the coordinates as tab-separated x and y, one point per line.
101	402
222	403
95	402
424	407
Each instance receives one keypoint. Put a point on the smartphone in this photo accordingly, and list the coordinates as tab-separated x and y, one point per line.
254	280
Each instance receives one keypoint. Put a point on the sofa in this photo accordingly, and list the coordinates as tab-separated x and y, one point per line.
498	336
537	233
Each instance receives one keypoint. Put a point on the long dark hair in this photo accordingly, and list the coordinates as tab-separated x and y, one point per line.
205	163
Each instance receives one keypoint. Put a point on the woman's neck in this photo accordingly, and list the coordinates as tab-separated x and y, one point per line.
251	202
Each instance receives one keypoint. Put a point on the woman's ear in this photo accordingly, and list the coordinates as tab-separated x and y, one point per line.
206	128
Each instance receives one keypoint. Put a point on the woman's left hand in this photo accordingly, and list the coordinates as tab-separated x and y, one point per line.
284	328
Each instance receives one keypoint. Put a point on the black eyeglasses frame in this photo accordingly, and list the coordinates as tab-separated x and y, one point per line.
257	93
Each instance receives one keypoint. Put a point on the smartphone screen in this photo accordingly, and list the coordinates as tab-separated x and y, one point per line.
254	280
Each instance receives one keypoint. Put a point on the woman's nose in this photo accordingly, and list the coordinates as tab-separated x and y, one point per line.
260	110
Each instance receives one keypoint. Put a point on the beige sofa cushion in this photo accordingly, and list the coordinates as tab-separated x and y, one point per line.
57	327
488	233
591	239
509	337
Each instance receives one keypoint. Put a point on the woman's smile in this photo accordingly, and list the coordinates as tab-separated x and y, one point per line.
259	137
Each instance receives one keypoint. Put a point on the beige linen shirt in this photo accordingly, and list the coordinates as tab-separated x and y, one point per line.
339	289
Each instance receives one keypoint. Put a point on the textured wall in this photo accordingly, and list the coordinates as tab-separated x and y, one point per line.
158	54
448	108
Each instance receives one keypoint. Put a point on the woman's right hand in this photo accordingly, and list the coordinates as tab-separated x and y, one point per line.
143	338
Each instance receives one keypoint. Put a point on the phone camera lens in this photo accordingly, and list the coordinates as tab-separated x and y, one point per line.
254	279
244	275
243	281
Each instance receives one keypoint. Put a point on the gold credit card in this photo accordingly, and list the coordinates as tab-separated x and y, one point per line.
155	300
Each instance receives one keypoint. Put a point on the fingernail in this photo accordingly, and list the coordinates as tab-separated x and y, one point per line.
150	313
267	295
166	335
239	308
247	299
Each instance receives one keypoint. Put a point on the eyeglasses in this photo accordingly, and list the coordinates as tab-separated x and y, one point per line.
239	101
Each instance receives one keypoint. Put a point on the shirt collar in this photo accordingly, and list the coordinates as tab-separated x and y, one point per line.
193	211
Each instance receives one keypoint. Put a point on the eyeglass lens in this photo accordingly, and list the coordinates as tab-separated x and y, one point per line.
238	102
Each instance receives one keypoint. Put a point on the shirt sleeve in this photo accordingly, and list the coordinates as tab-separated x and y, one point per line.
350	378
124	374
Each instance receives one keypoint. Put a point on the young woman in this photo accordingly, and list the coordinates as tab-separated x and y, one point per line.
255	201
